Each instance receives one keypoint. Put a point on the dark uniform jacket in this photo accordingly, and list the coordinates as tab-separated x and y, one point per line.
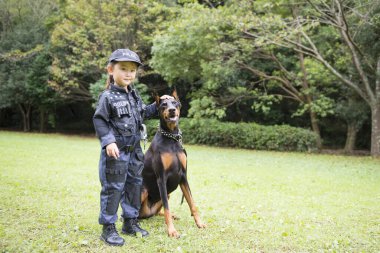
119	115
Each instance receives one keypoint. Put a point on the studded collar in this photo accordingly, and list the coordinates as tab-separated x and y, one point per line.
176	137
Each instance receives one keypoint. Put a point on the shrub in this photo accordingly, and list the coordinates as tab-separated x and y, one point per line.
242	135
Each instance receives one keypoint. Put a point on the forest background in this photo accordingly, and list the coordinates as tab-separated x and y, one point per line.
311	64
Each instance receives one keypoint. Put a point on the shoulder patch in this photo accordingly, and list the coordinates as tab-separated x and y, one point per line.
104	94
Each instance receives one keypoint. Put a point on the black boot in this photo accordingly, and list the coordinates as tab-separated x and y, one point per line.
132	226
110	235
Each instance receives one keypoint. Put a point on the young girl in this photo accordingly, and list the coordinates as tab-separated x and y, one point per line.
118	120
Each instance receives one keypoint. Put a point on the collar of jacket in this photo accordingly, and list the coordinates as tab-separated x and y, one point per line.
120	89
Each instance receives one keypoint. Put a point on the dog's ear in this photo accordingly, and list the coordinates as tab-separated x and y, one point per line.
175	95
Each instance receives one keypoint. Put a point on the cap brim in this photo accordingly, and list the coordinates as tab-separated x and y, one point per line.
127	59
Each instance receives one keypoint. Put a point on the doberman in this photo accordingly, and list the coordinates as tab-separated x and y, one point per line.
165	167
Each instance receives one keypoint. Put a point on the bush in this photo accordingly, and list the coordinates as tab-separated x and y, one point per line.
242	135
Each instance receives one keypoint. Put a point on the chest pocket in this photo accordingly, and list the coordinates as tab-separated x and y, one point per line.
126	127
122	118
121	108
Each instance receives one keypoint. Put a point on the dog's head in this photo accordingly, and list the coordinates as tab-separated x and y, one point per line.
169	110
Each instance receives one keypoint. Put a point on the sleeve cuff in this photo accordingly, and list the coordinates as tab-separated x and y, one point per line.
107	139
151	110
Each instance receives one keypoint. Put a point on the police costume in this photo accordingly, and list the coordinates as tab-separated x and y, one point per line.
118	119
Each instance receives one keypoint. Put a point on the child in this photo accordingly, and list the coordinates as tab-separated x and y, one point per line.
118	120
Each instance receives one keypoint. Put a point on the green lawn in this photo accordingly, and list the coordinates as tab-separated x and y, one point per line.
252	201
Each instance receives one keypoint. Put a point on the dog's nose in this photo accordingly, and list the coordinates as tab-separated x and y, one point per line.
171	110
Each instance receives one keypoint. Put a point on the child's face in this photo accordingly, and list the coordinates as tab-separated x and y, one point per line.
124	73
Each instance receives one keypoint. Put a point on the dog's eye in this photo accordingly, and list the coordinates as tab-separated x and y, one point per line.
164	104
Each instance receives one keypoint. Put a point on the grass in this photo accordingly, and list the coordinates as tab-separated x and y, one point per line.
251	201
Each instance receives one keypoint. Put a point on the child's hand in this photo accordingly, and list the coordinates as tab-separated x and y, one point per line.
112	150
165	97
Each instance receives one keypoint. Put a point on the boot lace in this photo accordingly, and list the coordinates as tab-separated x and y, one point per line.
136	223
112	230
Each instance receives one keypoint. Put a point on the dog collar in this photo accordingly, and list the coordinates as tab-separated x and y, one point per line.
176	137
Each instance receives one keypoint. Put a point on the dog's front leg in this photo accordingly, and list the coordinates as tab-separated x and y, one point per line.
172	232
190	201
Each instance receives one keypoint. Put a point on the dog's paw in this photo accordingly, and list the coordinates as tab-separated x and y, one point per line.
201	225
199	222
173	233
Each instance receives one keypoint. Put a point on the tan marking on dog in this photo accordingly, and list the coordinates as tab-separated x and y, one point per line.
172	232
144	195
182	158
167	160
192	206
147	211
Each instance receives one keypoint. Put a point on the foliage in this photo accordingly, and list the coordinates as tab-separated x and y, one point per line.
218	54
23	50
194	56
89	33
38	86
346	20
205	107
270	61
25	59
231	66
292	202
243	135
353	111
97	88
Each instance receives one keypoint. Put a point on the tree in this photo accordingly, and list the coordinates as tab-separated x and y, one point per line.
194	57
24	58
356	24
227	67
354	112
91	30
44	96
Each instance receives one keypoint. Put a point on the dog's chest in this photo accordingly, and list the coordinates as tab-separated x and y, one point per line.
174	174
173	162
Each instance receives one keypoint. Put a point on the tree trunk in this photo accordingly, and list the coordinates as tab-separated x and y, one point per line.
315	127
351	138
375	134
42	120
25	112
309	99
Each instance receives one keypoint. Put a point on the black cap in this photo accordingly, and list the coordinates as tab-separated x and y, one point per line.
124	55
